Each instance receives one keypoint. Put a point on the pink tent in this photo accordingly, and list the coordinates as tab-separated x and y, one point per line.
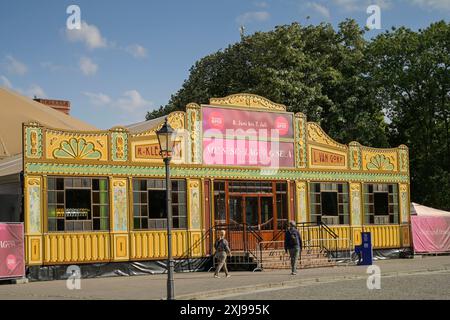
430	229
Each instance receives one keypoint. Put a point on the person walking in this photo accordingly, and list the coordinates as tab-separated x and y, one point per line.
222	250
293	244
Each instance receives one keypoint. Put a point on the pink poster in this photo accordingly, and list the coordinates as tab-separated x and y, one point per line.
236	137
431	234
235	152
12	264
254	123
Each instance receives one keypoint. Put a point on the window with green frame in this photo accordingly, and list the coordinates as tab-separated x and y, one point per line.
328	202
149	204
77	204
381	203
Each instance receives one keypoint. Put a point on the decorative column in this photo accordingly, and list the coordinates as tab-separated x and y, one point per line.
194	208
33	196
404	215
119	218
194	121
119	144
354	156
33	217
356	212
301	208
300	140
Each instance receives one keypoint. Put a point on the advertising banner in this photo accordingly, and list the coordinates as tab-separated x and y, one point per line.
252	122
431	233
230	152
236	137
12	263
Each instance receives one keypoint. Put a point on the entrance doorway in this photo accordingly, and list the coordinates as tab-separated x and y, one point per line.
260	205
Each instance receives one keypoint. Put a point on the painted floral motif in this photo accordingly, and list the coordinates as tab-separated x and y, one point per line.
34	143
77	149
380	162
120	207
301	188
356	204
195	206
34	208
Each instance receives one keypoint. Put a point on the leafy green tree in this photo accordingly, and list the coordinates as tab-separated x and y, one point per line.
311	69
411	71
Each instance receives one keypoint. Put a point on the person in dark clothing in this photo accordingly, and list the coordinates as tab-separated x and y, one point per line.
293	244
222	250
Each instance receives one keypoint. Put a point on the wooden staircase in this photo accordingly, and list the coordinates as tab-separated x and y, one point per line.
278	259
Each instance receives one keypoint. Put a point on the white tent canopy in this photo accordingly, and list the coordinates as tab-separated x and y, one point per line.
430	229
421	210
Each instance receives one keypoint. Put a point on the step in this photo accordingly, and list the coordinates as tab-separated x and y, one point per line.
286	257
316	264
281	254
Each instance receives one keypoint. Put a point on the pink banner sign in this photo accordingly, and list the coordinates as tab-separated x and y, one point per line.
12	264
233	152
251	122
430	234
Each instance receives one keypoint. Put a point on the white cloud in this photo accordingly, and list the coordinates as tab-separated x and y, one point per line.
98	99
35	90
88	34
14	66
433	4
136	51
132	101
87	66
5	82
261	4
32	91
254	16
51	66
319	8
361	5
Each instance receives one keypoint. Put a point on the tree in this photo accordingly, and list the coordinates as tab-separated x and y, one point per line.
311	69
411	71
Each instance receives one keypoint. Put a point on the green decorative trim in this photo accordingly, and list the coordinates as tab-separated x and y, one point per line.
211	172
300	140
33	142
194	125
119	152
403	160
354	155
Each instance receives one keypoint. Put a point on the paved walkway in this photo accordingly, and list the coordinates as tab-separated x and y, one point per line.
204	286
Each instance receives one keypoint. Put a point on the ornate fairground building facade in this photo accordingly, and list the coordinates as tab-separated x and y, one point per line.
99	197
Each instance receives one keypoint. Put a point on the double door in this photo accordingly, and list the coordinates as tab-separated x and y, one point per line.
255	211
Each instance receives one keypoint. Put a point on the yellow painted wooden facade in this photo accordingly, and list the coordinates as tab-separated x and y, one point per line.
114	154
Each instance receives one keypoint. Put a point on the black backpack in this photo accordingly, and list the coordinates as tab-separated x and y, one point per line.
294	239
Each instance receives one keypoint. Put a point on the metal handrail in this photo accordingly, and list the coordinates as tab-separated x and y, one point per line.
240	227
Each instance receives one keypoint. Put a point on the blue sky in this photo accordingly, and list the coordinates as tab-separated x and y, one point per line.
130	56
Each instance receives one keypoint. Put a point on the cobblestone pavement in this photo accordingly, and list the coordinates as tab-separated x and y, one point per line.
409	276
419	286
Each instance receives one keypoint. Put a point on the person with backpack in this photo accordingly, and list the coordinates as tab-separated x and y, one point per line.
222	250
293	244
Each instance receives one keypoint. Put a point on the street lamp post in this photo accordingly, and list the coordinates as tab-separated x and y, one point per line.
166	142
